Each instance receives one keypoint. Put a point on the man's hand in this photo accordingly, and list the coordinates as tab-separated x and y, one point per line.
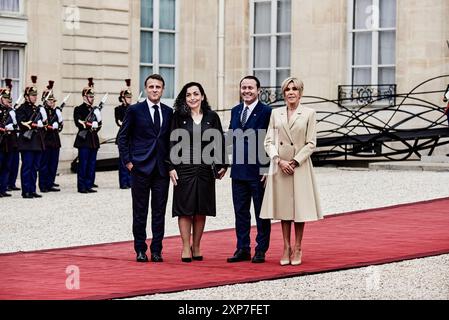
129	166
221	173
174	177
83	123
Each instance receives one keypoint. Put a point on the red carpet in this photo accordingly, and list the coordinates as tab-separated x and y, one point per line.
339	242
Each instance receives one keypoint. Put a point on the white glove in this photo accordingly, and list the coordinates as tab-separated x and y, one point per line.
40	124
12	114
59	114
55	126
9	127
95	125
97	114
43	113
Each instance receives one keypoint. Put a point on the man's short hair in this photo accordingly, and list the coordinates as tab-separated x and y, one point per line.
251	78
155	77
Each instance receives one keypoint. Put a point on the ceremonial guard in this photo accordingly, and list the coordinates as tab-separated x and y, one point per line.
50	156
8	136
32	120
88	120
125	99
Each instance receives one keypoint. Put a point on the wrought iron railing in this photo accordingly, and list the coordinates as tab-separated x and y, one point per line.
363	95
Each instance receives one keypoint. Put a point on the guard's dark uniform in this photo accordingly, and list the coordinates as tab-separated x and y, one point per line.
50	156
8	137
87	141
31	141
120	111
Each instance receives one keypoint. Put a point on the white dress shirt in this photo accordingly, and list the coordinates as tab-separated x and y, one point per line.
250	110
150	106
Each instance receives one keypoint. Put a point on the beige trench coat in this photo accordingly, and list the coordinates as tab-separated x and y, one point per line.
291	197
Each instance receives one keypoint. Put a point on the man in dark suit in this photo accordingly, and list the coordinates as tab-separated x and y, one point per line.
143	141
249	122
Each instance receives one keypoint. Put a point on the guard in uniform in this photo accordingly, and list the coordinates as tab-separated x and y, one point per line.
125	99
87	118
50	156
8	137
32	120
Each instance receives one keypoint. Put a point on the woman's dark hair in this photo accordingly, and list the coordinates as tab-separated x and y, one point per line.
181	104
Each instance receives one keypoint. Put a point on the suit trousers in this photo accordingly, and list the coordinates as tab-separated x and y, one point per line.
14	170
242	192
124	175
86	168
142	186
28	173
48	168
5	167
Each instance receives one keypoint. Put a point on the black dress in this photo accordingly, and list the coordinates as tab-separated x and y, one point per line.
195	192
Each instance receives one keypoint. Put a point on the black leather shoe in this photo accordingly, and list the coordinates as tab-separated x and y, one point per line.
53	189
35	195
6	195
83	191
141	257
55	185
27	196
156	257
45	190
240	255
13	189
91	191
95	186
259	257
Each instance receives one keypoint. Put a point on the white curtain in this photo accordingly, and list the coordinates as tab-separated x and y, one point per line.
387	47
146	13
362	13
167	48
283	52
262	17
362	48
9	5
169	77
11	67
387	13
361	76
167	14
262	52
284	16
387	75
146	47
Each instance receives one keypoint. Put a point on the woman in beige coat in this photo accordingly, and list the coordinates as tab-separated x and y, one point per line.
291	193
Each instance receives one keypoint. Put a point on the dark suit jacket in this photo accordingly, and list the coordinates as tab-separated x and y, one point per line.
249	146
139	143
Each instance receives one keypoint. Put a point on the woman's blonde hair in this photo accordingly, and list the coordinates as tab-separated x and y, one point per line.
296	82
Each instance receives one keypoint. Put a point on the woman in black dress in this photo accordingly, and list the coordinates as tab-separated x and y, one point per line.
197	148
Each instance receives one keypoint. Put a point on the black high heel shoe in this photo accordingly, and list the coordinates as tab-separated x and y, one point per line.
189	259
196	258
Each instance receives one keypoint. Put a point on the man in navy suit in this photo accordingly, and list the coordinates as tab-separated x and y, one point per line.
144	148
249	122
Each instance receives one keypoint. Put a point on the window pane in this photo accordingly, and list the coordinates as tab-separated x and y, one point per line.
284	15
361	76
262	17
144	73
264	77
168	14
167	48
387	47
169	76
146	13
363	13
9	5
388	13
10	68
387	76
281	75
283	52
146	47
362	48
262	50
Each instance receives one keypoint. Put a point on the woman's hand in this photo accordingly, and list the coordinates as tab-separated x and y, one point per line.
222	173
174	177
286	167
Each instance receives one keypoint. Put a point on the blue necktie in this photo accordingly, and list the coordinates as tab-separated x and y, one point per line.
157	119
245	116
